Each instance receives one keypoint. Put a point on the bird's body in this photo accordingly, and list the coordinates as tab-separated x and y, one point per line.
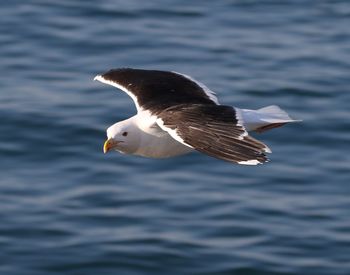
151	140
177	115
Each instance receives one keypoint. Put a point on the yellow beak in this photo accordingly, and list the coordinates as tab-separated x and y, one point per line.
109	144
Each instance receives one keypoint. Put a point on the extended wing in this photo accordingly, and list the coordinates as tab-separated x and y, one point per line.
214	130
156	91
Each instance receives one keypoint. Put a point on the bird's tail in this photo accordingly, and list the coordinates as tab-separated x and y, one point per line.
265	118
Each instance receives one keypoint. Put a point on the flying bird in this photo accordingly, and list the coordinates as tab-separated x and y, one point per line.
177	115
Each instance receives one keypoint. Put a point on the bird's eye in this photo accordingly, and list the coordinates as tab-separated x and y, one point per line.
125	134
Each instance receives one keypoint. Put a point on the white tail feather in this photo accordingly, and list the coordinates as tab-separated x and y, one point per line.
265	118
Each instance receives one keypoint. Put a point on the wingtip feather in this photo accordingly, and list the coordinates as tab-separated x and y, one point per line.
98	77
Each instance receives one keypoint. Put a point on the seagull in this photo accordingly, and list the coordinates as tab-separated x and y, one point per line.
177	115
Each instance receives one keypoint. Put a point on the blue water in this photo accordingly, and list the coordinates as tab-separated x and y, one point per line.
65	208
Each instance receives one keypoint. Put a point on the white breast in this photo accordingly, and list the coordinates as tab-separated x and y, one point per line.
163	146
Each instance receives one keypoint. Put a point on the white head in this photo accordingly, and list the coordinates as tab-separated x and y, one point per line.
122	136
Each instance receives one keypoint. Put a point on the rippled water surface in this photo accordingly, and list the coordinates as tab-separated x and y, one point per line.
65	208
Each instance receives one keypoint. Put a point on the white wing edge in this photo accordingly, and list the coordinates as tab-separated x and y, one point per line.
207	91
101	79
250	162
171	132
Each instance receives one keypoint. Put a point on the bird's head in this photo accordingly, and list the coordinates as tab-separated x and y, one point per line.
122	137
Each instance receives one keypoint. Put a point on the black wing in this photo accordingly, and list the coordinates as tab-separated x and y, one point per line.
214	130
157	90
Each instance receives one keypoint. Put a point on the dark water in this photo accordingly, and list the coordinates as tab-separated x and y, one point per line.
65	208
